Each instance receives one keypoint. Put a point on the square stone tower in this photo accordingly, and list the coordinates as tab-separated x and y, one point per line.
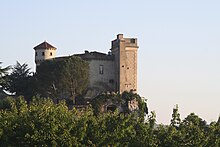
125	52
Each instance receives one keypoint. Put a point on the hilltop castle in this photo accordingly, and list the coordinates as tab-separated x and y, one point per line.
115	71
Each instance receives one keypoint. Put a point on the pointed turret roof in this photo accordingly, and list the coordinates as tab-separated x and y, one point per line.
44	45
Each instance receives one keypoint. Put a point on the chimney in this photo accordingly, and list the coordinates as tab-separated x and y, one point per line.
119	36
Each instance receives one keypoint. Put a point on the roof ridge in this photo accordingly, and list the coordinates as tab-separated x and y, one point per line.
44	45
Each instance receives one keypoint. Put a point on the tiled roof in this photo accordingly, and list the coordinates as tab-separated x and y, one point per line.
44	45
95	56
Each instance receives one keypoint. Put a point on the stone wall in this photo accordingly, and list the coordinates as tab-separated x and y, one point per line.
101	74
44	54
125	52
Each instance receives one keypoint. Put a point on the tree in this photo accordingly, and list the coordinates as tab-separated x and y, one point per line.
48	78
3	72
214	134
21	81
169	135
75	76
45	123
175	121
194	131
63	78
152	119
42	123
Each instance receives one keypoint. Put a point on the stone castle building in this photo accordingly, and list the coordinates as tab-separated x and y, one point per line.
115	71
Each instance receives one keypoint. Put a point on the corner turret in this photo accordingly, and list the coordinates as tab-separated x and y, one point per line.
44	51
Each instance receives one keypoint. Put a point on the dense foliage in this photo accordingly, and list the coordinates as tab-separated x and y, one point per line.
44	123
21	82
62	78
3	73
121	100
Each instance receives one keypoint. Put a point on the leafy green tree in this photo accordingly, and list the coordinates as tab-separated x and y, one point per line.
63	78
194	131
42	123
75	76
214	134
168	135
175	121
21	81
152	119
3	72
111	129
121	100
45	123
48	77
144	135
5	104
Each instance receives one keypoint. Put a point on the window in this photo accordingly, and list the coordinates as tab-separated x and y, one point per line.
51	53
42	53
111	81
132	40
36	54
101	68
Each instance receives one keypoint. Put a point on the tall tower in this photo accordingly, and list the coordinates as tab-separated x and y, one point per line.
43	52
125	52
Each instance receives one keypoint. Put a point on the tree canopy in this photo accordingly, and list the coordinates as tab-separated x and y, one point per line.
63	78
45	123
3	73
21	82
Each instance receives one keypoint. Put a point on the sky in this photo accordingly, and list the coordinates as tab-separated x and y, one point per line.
179	44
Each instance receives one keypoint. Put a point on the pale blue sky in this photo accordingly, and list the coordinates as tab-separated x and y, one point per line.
179	43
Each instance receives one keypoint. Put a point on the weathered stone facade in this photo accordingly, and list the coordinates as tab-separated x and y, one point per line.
44	51
115	71
125	51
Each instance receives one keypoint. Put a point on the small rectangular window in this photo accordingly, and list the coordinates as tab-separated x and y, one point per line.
101	69
111	81
42	53
132	40
36	54
51	53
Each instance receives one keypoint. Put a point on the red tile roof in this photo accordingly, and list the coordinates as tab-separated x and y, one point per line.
44	45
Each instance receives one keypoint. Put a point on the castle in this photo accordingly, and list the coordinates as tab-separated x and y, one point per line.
115	71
